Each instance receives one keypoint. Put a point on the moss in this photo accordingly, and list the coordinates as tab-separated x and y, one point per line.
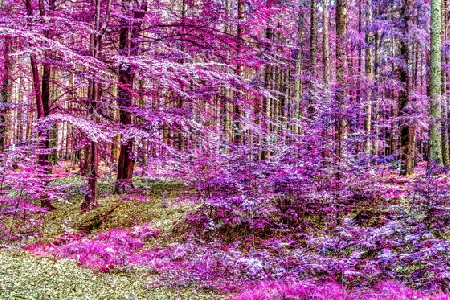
159	212
158	188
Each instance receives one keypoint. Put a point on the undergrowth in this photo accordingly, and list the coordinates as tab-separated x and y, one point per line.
220	240
25	276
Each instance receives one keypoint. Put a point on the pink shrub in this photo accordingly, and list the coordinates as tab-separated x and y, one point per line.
103	252
270	290
41	249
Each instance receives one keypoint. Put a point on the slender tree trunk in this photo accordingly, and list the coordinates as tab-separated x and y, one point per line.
267	103
445	102
326	45
36	85
406	147
313	34
90	200
313	39
5	90
5	87
326	60
369	74
40	108
376	112
312	53
435	134
125	99
298	85
224	104
446	58
238	132
45	85
341	31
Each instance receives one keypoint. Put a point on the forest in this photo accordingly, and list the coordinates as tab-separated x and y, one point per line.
224	149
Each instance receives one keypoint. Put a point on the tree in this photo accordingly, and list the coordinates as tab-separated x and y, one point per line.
341	58
313	38
90	200
369	74
5	89
326	45
298	58
445	100
313	27
42	101
406	147
435	143
128	47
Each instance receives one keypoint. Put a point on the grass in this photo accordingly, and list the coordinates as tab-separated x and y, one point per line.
25	276
157	211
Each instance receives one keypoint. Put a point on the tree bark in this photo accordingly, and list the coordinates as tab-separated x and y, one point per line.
45	87
445	102
445	84
90	200
5	87
125	99
435	134
5	90
40	108
369	75
312	53
298	84
341	121
313	39
406	147
266	105
376	112
326	45
238	134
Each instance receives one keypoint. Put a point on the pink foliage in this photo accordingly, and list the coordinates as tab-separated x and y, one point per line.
269	290
102	252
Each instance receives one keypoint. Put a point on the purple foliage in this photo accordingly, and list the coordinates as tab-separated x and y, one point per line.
103	252
269	290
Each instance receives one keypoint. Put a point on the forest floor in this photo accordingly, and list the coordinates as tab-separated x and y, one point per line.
34	271
136	246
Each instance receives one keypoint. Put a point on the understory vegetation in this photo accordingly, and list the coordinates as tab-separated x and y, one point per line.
166	240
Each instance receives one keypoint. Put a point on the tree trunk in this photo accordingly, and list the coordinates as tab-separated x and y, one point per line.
237	126
298	86
125	99
445	102
406	147
369	74
326	46
341	121
435	134
90	200
40	108
5	90
376	105
312	53
313	39
447	62
266	105
45	89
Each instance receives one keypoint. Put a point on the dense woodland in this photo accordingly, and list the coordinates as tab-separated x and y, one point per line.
252	149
